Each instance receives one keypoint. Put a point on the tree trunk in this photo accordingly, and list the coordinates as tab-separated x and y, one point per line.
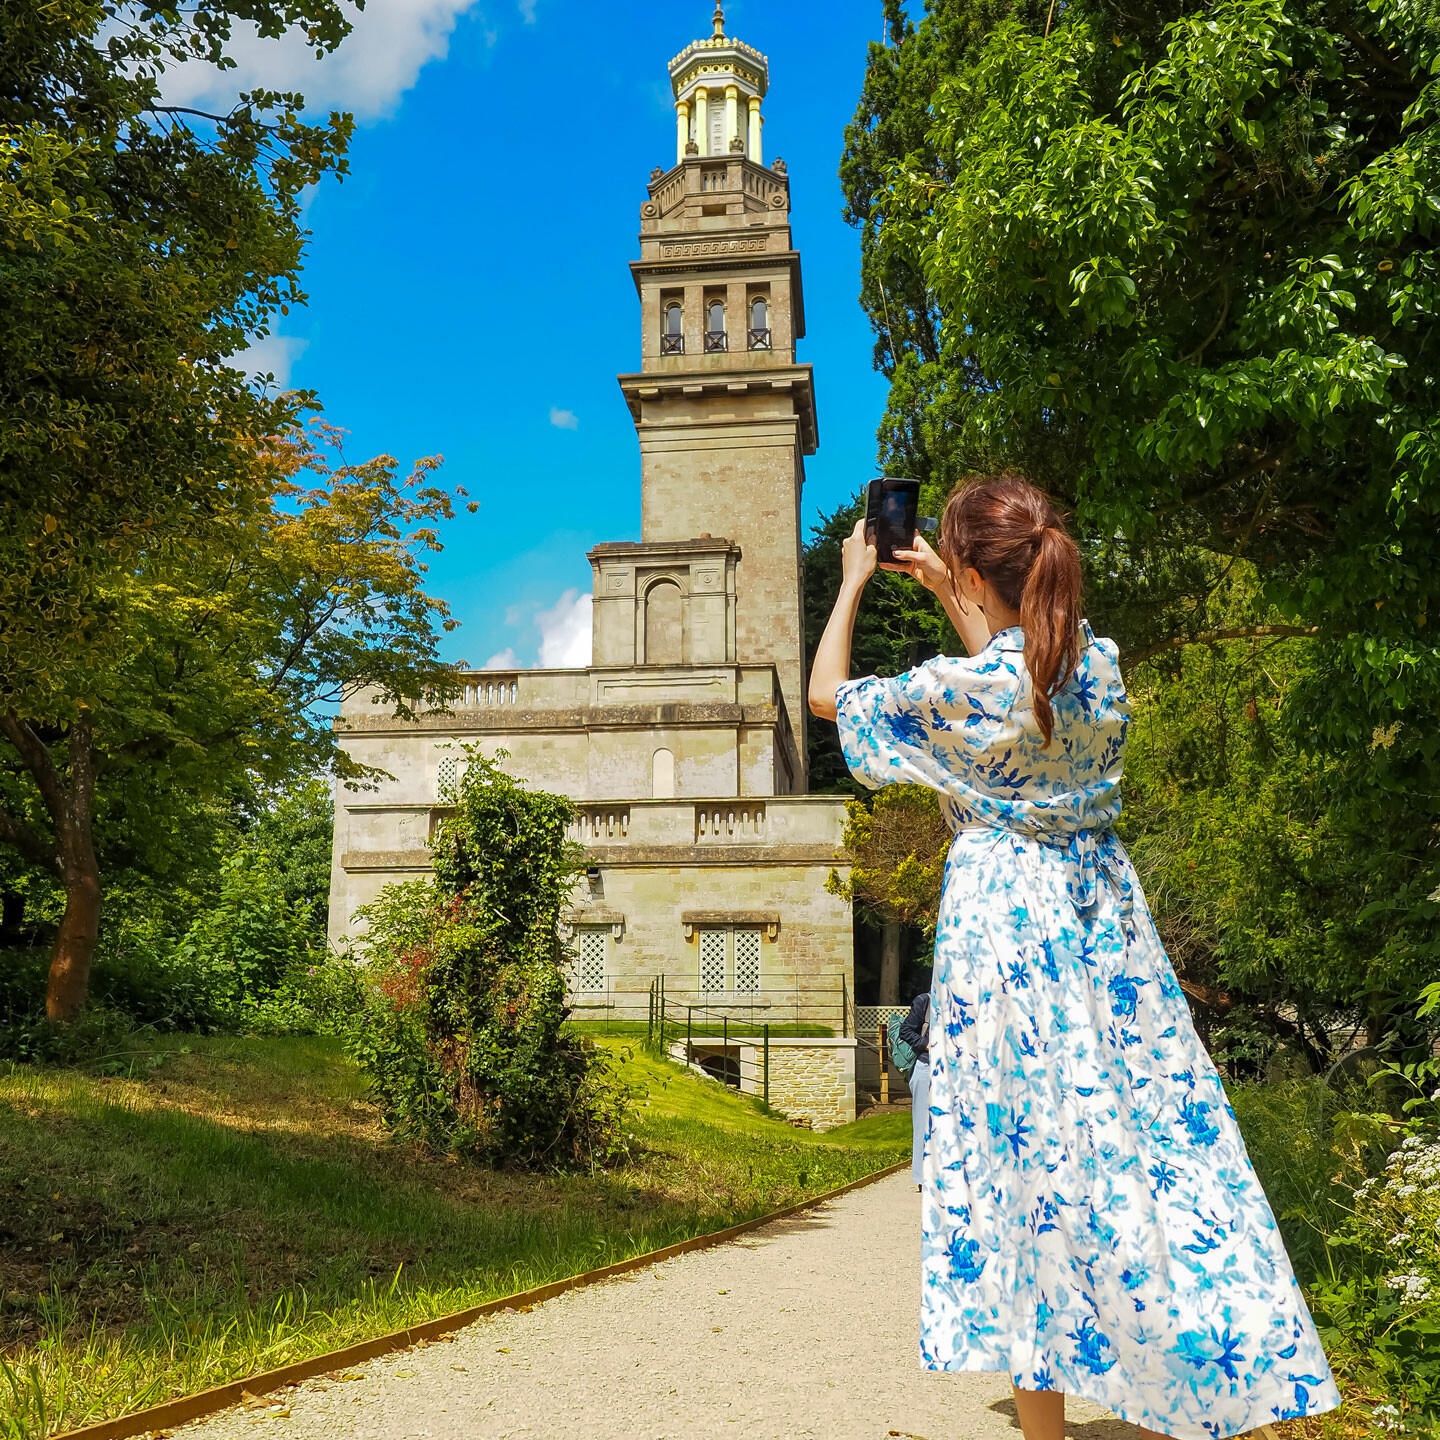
890	963
72	855
70	960
69	981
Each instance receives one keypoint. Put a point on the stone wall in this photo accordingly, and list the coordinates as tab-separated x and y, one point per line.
812	1080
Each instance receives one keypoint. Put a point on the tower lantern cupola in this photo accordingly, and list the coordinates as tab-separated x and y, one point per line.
719	85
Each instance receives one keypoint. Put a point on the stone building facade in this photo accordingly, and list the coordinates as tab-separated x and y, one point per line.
683	742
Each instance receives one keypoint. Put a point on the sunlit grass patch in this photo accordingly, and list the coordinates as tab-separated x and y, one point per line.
240	1207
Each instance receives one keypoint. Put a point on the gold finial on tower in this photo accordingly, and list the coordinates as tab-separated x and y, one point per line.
719	20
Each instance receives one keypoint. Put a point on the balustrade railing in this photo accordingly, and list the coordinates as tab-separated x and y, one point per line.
600	824
503	690
729	822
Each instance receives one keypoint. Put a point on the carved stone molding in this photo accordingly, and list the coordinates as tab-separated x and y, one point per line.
571	920
769	920
687	249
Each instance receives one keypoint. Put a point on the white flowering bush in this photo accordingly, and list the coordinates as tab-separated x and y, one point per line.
1383	1295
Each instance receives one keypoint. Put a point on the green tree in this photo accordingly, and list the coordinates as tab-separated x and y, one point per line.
1183	269
1180	265
295	828
465	1045
142	244
223	663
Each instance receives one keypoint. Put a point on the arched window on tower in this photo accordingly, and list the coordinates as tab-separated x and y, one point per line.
759	334
672	333
664	624
715	326
662	775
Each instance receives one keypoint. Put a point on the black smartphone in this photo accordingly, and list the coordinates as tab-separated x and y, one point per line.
891	506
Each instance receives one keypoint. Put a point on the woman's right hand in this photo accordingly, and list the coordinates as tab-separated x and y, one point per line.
924	565
857	557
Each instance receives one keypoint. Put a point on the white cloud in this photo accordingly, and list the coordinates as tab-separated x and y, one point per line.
375	65
505	660
272	354
527	10
564	419
565	632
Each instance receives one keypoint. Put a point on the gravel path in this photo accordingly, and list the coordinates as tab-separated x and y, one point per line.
806	1328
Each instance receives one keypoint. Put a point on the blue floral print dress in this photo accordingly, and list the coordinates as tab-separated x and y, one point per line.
1092	1223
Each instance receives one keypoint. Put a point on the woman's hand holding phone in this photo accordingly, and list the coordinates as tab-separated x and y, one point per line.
921	563
857	557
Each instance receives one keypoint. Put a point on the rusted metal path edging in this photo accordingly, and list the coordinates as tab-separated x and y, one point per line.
192	1407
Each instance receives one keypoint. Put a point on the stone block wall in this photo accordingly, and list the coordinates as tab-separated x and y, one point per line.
812	1080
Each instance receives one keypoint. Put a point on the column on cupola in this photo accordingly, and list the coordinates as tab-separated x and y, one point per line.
755	125
682	128
702	120
732	116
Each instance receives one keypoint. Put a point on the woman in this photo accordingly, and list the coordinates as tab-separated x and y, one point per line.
1092	1224
915	1032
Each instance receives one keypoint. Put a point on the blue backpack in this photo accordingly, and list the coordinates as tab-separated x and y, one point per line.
900	1052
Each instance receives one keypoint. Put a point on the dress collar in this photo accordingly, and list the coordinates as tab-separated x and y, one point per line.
1013	637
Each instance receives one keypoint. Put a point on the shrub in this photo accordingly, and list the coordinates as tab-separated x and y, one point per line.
463	1044
321	998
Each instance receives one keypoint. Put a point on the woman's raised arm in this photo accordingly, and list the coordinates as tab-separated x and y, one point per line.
832	656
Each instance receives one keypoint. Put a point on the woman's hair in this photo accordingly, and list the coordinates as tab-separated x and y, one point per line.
1002	526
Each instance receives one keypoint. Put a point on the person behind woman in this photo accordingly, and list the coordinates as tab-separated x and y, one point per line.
915	1032
1092	1223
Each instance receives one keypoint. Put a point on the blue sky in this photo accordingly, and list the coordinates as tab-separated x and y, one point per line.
469	289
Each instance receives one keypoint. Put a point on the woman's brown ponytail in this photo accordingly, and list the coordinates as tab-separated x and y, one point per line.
1006	529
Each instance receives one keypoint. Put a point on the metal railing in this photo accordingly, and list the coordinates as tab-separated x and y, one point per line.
672	344
759	339
715	341
792	1006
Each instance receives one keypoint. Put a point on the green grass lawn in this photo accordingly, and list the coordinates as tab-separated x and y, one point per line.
238	1207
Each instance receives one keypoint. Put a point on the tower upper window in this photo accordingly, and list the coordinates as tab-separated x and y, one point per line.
672	334
759	335
715	326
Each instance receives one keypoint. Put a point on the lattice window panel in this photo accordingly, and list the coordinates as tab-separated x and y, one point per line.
747	960
590	970
712	960
447	777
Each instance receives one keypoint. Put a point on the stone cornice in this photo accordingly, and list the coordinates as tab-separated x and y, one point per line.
640	548
713	258
512	720
631	857
796	380
652	856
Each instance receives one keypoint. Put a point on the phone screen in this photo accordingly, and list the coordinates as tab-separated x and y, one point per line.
897	519
891	515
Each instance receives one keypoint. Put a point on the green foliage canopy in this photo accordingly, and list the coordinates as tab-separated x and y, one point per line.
141	246
1183	268
223	663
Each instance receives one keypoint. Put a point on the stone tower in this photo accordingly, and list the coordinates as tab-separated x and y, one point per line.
724	414
682	743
